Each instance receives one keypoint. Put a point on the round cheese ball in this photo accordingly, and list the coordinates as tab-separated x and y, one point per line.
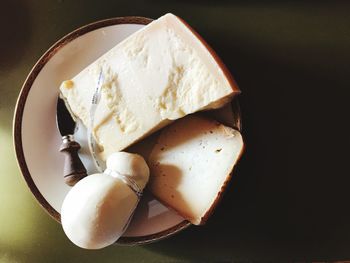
96	211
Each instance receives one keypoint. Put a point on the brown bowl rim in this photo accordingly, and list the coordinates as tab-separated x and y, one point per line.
17	124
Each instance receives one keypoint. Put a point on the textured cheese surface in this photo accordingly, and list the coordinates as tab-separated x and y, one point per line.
190	164
158	74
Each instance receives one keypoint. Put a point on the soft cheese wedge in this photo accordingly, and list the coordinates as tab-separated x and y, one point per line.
159	74
191	165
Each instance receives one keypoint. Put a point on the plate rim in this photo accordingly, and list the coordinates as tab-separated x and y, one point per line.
18	116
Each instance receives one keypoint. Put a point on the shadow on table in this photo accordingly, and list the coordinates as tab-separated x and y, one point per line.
288	199
15	31
281	204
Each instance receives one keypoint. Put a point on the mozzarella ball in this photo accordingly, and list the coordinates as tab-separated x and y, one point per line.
96	211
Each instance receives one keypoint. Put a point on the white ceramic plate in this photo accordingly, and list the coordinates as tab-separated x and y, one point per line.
37	139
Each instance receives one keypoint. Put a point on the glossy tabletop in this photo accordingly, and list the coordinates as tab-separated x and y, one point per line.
289	197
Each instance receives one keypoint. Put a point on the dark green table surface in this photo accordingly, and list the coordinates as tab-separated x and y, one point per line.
289	199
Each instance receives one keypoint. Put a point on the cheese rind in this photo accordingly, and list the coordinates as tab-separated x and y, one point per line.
191	165
159	74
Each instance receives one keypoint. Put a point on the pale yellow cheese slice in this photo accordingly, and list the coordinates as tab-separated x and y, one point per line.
191	165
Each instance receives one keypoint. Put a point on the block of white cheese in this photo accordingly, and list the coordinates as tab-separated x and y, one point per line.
159	74
191	165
